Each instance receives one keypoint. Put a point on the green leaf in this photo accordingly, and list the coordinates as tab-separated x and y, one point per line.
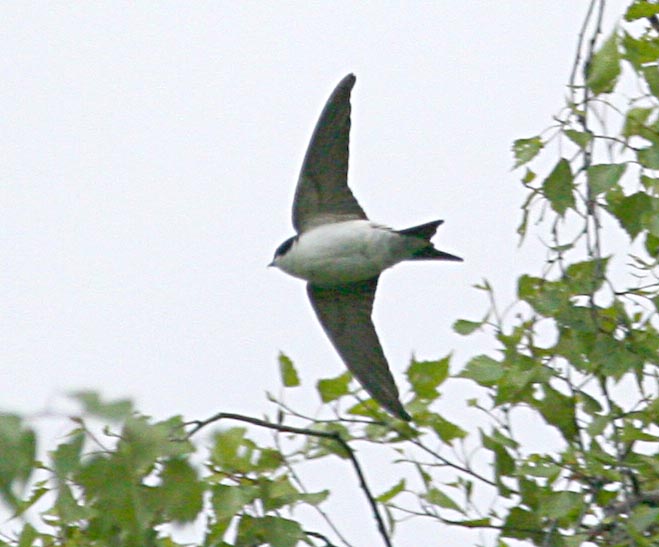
581	138
93	405
586	277
649	157
630	211
437	497
523	524
370	409
558	187
636	121
641	9
516	385
640	51
142	443
287	372
314	498
330	389
504	464
643	517
614	357
603	177
283	532
500	438
597	426
558	410
66	457
605	67
268	459
181	493
446	431
651	75
111	484
541	468
464	327
590	404
650	183
546	297
425	376
526	149
269	530
228	501
232	451
67	507
631	433
17	453
392	492
28	535
484	370
529	176
277	493
652	245
560	504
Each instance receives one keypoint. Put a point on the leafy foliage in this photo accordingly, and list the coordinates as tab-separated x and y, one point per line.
582	351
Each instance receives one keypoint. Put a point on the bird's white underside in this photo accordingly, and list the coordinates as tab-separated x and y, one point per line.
343	252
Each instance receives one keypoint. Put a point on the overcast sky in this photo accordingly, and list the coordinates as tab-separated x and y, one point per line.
149	157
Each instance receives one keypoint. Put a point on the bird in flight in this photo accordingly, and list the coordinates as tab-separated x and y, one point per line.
341	254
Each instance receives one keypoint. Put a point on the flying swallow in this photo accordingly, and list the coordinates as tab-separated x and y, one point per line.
341	253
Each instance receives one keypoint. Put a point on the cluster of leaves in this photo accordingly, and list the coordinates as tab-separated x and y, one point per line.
129	483
129	488
581	355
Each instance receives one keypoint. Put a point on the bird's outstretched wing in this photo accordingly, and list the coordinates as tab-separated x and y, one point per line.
322	194
345	313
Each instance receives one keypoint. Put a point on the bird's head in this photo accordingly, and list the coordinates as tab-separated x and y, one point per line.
282	250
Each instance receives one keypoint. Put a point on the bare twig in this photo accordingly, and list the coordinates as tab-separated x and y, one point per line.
448	463
577	57
328	543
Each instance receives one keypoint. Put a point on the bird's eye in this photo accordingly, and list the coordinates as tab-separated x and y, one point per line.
285	246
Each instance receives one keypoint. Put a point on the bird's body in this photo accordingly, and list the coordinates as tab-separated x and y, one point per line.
341	254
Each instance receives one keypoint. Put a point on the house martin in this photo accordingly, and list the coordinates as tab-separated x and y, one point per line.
341	254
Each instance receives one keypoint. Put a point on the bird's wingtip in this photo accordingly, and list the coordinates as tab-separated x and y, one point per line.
348	80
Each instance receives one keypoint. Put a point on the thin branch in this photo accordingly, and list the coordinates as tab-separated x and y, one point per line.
448	463
334	436
302	487
582	33
328	543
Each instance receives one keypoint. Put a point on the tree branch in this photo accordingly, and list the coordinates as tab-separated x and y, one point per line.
334	436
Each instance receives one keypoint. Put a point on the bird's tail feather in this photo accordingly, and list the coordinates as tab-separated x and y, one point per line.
425	232
430	253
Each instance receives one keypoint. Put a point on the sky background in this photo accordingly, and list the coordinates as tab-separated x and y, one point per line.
150	153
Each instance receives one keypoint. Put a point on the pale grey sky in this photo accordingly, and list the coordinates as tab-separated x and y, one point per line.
150	155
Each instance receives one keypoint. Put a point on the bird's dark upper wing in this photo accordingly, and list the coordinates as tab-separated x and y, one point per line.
322	194
345	314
